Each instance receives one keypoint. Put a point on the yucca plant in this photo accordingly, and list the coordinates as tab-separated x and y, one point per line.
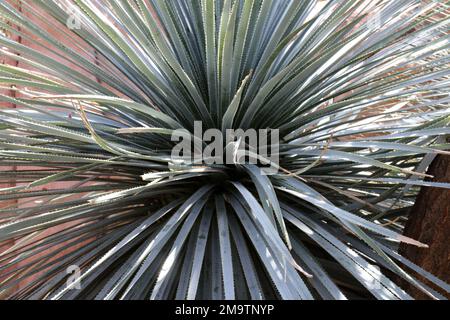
358	91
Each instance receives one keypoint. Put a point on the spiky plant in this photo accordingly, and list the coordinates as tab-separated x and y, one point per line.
358	90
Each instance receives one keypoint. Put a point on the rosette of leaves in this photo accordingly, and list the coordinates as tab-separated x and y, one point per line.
359	92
